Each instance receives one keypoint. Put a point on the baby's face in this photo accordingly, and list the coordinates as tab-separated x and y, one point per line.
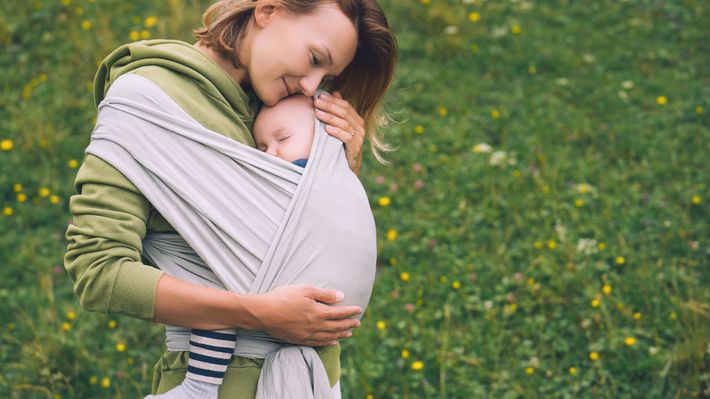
286	129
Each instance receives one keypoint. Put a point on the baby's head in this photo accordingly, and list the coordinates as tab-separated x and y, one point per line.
285	130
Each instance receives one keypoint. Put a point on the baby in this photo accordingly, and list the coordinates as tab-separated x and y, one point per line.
284	130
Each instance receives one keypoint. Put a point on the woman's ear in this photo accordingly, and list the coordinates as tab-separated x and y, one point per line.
263	14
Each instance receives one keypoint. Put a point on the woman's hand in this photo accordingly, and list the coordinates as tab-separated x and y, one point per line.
294	313
343	123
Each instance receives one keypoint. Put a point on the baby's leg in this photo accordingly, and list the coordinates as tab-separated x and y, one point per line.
210	353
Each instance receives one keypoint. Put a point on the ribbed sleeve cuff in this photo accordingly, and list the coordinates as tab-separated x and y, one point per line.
134	290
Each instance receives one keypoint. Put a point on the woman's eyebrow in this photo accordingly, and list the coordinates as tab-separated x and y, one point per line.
327	52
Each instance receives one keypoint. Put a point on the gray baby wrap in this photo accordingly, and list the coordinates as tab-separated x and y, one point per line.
246	221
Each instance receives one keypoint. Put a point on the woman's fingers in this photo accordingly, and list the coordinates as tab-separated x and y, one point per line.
343	123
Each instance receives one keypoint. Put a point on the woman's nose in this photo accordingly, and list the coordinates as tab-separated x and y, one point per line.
309	84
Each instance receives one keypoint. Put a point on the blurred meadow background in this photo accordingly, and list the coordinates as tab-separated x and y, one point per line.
543	228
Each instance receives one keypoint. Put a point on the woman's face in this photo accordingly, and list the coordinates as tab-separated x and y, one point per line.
290	54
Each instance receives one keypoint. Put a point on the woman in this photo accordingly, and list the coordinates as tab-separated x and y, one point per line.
246	50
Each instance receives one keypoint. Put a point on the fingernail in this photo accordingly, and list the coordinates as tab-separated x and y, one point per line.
339	295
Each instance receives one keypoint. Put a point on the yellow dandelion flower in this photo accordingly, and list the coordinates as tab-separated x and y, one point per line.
17	187
384	201
54	199
93	380
516	173
620	260
696	200
66	2
529	370
546	189
537	245
495	114
73	163
601	246
474	17
699	110
66	326
579	203
595	302
661	100
21	197
6	145
43	192
57	396
573	370
606	289
369	396
150	21
42	77
105	382
393	261
673	316
630	341
404	276
512	307
455	284
620	306
593	356
516	29
637	316
532	70
145	34
531	281
120	347
134	36
86	24
111	324
426	2
381	325
551	244
404	354
391	235
7	211
418	365
443	111
27	92
419	129
71	315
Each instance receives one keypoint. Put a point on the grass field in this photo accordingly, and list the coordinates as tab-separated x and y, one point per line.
544	227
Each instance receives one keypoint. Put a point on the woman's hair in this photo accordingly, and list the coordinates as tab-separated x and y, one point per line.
364	81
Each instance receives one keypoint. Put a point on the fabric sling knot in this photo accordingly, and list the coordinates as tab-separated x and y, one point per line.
246	221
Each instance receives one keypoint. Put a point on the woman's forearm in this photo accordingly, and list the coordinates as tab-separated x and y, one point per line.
300	314
180	303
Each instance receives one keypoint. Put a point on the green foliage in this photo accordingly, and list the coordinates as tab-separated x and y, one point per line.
546	150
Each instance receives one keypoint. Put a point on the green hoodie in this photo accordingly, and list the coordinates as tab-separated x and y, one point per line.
111	217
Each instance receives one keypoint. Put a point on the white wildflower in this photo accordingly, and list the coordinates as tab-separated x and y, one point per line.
498	158
627	84
482	147
587	246
451	30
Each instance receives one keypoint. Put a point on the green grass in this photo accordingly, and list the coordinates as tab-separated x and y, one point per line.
499	299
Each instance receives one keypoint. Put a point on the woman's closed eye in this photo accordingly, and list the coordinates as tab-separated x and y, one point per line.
315	60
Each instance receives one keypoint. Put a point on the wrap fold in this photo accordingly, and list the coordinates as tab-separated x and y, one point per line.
246	221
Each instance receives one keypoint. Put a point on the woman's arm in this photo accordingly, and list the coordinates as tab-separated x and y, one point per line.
292	313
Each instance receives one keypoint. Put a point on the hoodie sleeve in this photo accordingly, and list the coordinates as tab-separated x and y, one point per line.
103	256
